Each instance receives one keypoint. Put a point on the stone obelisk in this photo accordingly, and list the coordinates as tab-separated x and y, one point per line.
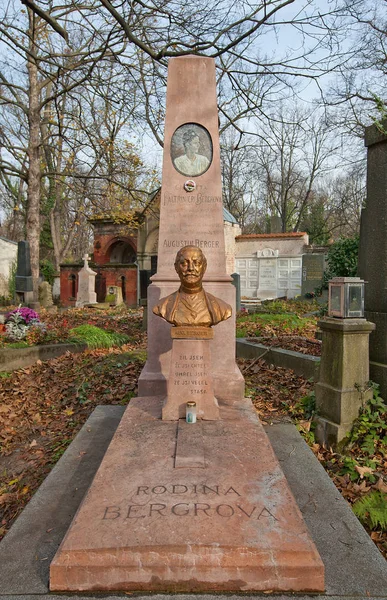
191	213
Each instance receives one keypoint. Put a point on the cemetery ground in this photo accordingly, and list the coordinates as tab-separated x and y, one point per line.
42	407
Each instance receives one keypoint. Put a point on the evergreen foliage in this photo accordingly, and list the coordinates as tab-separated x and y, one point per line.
48	270
371	510
342	258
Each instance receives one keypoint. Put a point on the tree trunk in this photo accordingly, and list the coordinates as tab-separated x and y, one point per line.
33	194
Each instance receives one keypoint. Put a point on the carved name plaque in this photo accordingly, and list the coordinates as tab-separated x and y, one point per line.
189	500
206	333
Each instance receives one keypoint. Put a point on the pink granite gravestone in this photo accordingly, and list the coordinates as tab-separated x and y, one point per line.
178	506
191	218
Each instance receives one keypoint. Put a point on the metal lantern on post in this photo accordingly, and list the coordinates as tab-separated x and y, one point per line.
346	298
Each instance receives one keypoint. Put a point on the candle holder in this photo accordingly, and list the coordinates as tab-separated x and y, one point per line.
346	298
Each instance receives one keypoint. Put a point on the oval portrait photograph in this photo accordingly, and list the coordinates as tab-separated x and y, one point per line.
191	149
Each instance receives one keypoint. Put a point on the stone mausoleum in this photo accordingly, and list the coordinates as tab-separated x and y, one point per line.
270	264
114	259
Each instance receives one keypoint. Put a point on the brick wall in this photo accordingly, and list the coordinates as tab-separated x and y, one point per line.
106	275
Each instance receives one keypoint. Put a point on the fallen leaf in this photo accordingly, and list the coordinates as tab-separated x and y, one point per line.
381	485
364	471
305	425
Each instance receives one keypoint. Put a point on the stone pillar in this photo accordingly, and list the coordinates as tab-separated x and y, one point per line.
236	280
373	252
191	213
343	377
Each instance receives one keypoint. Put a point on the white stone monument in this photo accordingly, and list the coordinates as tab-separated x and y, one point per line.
86	285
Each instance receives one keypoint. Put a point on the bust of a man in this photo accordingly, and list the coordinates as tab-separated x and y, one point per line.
190	304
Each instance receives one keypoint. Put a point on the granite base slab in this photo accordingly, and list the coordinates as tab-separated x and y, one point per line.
354	568
225	522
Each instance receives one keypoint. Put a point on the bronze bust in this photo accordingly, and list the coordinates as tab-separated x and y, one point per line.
190	304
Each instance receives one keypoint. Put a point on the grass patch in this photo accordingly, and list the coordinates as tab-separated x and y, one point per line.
262	324
18	345
95	337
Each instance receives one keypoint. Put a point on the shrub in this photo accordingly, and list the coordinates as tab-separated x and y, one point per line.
36	334
370	427
342	257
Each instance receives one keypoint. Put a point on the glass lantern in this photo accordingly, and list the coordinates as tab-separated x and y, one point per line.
346	297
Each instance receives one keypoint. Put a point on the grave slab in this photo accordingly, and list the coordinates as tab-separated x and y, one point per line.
145	525
354	568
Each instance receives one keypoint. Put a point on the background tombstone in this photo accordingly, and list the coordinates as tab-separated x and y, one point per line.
45	295
373	252
114	295
236	281
275	224
23	281
312	272
56	288
86	285
191	218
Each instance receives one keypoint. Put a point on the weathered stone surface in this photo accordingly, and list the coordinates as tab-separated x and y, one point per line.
342	386
86	285
147	525
114	295
372	265
23	280
45	295
312	272
190	378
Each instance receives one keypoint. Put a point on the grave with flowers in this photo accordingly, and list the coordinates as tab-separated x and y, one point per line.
21	323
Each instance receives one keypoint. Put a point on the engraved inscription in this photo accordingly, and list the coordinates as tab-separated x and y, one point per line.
190	374
192	199
195	242
147	506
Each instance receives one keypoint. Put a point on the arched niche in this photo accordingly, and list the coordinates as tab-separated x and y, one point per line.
121	252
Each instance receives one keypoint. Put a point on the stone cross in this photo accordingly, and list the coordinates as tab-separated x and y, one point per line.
85	259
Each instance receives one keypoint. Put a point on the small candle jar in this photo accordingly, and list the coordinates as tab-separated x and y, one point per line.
190	412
